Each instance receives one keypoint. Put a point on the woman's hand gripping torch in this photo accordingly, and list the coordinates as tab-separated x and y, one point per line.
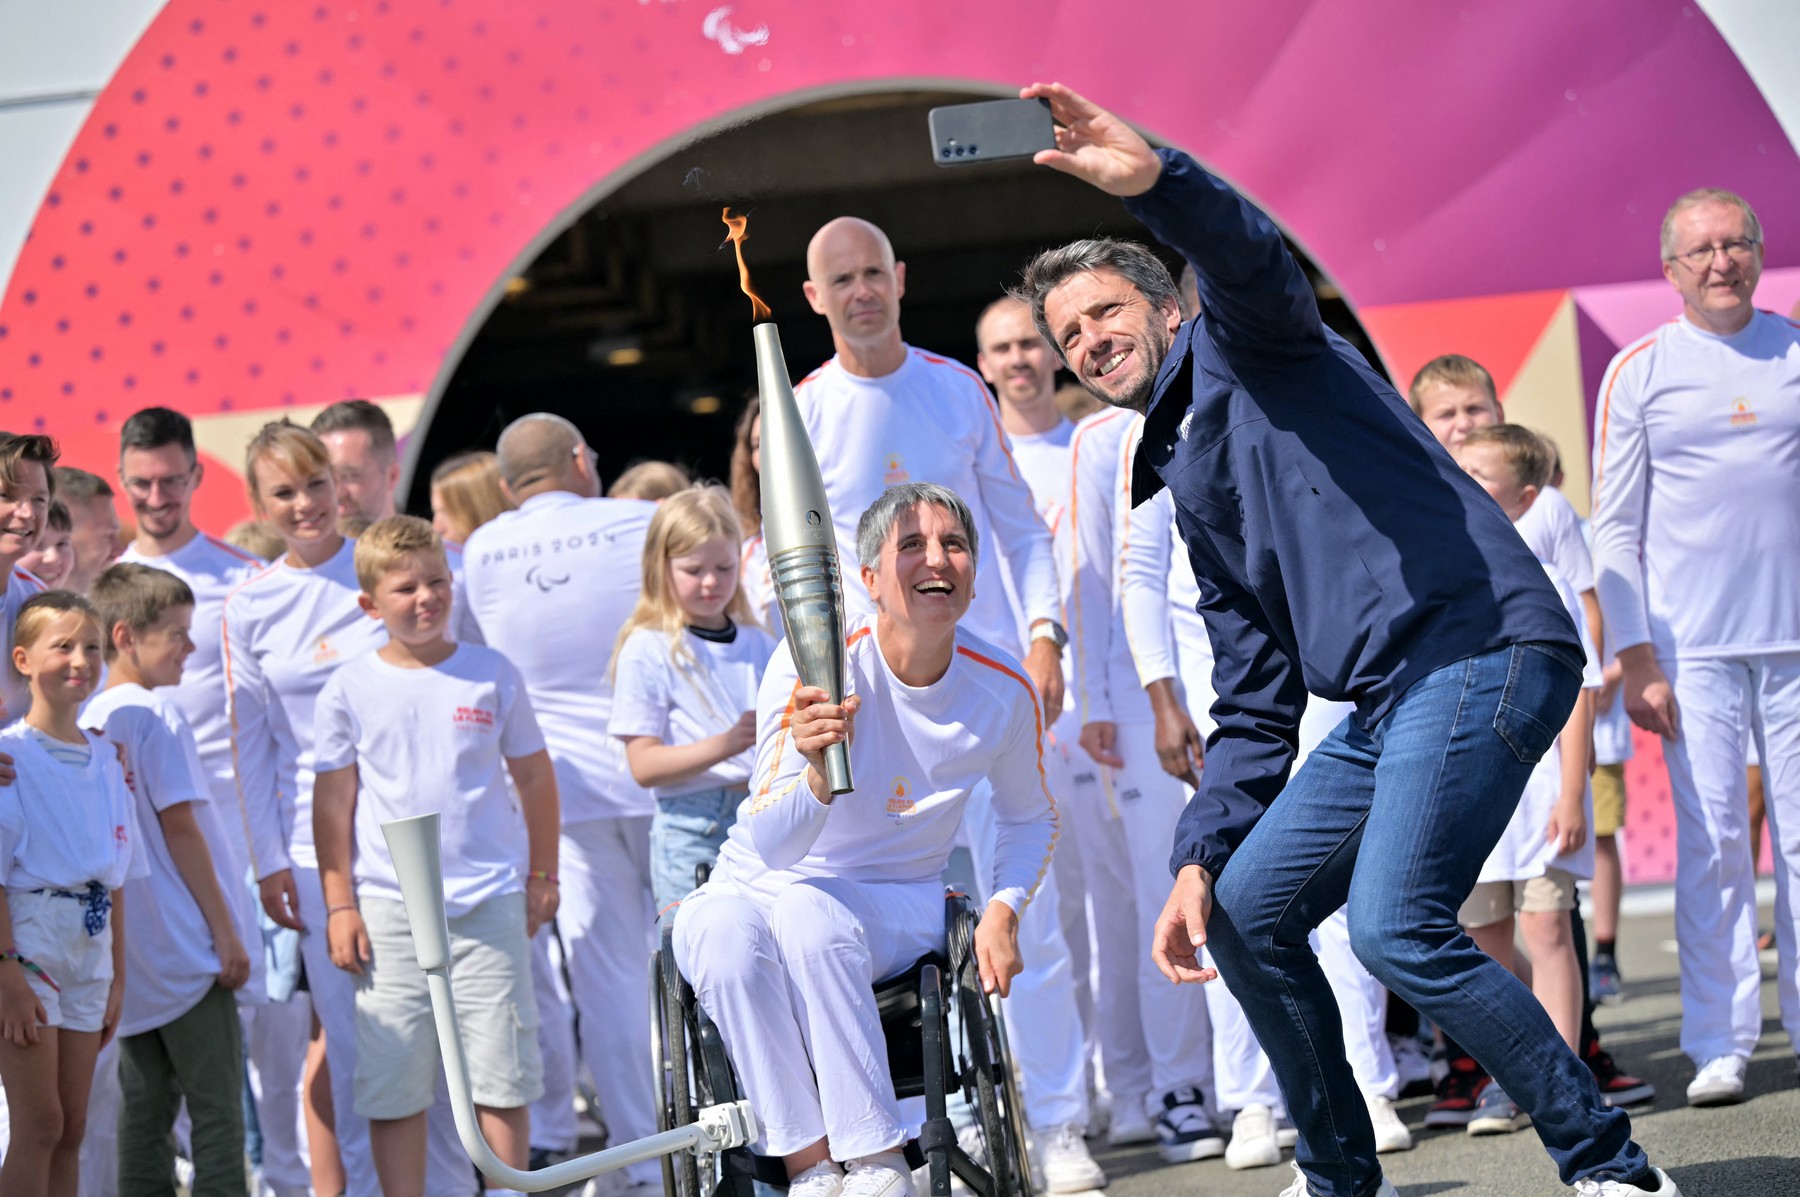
413	844
803	556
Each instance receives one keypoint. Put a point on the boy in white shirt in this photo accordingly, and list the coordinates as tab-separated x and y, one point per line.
816	895
1533	869
179	1036
421	724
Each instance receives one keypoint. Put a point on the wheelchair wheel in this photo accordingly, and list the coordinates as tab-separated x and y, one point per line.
669	1051
988	1084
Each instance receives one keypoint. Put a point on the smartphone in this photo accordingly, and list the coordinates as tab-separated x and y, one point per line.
990	131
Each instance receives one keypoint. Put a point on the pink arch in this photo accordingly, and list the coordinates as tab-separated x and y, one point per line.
288	203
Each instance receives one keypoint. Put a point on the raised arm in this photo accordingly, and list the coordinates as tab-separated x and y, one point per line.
788	798
1255	296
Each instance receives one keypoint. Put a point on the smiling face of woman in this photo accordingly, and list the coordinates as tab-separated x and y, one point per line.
24	506
302	507
925	576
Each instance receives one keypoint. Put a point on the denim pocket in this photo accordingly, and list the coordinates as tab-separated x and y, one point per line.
1537	677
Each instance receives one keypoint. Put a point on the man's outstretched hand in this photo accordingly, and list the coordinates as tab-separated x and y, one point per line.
1181	928
1094	145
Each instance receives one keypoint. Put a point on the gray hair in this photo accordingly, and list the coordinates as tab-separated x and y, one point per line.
878	521
1707	195
1137	265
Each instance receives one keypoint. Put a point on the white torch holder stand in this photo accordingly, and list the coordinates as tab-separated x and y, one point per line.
413	844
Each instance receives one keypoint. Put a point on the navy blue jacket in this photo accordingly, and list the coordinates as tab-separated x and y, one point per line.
1338	548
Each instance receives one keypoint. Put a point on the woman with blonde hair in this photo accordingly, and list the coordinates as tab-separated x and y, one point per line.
465	494
685	674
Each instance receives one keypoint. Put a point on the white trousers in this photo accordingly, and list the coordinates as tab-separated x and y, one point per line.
607	924
1091	820
1042	1021
275	1037
1071	901
447	1166
553	1114
1724	703
790	984
1177	1027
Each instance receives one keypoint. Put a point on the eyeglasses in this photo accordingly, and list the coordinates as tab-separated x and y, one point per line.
172	485
1740	251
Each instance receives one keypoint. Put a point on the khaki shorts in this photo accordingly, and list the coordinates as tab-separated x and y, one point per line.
1609	799
73	970
397	1059
1491	901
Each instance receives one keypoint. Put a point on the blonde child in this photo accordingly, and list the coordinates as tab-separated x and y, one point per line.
1532	871
685	675
68	843
426	724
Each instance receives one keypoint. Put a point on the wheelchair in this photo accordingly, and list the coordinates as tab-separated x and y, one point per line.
944	1036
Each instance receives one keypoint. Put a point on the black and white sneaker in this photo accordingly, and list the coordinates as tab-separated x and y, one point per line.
1184	1130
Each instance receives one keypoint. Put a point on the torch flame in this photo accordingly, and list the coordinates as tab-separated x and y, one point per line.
740	229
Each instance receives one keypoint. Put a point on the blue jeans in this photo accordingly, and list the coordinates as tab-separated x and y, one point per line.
1397	822
688	831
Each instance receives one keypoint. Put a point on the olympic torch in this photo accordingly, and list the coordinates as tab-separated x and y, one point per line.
413	844
803	556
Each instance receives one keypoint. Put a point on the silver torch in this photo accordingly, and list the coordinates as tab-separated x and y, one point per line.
413	844
803	556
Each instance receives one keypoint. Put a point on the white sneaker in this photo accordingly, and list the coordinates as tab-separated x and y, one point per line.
1299	1189
1720	1083
1390	1133
1410	1060
1128	1124
1067	1167
883	1175
1618	1188
1253	1142
823	1179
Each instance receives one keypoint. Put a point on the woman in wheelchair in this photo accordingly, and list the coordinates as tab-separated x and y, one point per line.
815	898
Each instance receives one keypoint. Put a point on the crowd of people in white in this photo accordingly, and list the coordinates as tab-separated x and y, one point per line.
201	937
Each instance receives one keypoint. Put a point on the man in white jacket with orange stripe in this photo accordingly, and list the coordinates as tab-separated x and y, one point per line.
1697	557
816	896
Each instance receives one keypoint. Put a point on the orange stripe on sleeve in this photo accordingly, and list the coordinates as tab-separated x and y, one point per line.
1606	411
1038	735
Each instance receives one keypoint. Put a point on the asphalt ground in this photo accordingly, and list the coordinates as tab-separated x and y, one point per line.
1748	1150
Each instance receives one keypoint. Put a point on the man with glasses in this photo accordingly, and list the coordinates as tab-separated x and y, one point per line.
160	471
1697	557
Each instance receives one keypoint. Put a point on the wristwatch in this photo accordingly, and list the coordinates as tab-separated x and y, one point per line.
1049	629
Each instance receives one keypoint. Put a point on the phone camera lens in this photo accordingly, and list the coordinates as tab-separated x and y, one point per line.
959	151
973	150
946	151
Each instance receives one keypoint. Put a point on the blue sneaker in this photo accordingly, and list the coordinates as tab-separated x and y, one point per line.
1604	983
1184	1130
1496	1113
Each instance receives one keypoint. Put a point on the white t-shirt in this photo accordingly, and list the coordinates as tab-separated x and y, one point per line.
434	739
550	585
14	691
1105	679
170	960
917	755
212	568
1044	462
932	420
680	702
286	630
1552	529
1523	852
1697	491
62	825
464	628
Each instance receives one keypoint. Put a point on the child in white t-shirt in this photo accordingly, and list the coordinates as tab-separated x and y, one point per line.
1532	871
685	674
425	724
68	842
179	1035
